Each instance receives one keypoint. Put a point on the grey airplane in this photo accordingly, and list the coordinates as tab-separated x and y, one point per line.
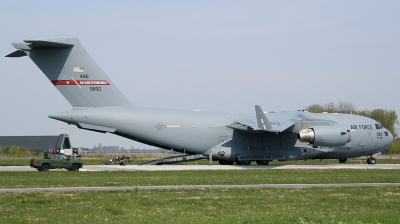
98	105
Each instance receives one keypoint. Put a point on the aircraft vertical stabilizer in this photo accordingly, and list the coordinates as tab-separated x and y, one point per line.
72	71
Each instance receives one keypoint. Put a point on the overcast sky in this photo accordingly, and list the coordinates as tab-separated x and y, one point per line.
208	55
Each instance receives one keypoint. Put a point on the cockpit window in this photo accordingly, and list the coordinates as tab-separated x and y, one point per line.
380	125
386	133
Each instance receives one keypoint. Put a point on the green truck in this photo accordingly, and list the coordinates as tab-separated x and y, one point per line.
55	161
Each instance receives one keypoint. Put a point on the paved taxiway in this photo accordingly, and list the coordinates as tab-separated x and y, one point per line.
207	167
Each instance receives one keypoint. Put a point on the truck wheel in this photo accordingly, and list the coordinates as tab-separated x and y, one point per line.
75	167
45	167
39	169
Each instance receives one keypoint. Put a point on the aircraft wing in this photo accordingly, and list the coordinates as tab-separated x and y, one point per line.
244	125
261	123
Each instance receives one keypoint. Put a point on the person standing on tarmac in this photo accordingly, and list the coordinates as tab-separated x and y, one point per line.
210	157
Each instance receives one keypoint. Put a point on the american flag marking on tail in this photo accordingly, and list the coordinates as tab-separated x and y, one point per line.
79	69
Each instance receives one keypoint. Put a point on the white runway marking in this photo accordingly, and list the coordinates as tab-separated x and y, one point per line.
234	167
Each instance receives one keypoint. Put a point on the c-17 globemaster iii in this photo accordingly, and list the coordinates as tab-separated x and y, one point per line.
98	105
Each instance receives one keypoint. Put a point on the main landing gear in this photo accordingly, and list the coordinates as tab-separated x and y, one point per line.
248	162
225	162
371	160
262	162
244	162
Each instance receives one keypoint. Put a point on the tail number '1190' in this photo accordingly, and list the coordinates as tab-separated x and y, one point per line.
95	88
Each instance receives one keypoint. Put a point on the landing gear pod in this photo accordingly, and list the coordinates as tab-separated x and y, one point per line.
326	136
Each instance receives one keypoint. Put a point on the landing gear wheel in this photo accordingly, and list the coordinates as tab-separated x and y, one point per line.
342	160
262	162
45	167
371	160
224	162
246	162
75	167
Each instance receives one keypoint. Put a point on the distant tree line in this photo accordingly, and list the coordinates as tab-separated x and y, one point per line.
16	151
331	107
388	118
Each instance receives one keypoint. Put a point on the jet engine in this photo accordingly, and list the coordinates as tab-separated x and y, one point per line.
326	136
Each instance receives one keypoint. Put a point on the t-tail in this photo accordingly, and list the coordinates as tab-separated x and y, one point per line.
72	71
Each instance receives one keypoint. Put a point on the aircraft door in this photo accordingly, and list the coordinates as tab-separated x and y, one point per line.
265	142
248	143
369	136
360	146
223	147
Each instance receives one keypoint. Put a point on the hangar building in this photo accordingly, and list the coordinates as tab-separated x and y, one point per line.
37	143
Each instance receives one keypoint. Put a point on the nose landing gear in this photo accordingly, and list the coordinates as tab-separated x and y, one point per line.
371	160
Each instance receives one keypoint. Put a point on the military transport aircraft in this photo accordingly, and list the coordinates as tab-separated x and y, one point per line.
98	105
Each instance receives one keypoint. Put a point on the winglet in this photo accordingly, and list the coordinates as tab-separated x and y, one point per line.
262	121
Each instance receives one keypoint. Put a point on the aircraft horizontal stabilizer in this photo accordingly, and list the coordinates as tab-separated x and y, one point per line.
27	45
56	42
16	54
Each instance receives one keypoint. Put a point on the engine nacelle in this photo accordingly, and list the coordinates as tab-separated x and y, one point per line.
326	136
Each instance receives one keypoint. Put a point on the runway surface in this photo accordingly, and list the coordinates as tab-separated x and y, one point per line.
207	167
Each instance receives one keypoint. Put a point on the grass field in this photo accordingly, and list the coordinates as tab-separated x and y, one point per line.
194	177
309	205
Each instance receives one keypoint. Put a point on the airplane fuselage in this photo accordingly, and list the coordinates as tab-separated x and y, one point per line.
197	132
